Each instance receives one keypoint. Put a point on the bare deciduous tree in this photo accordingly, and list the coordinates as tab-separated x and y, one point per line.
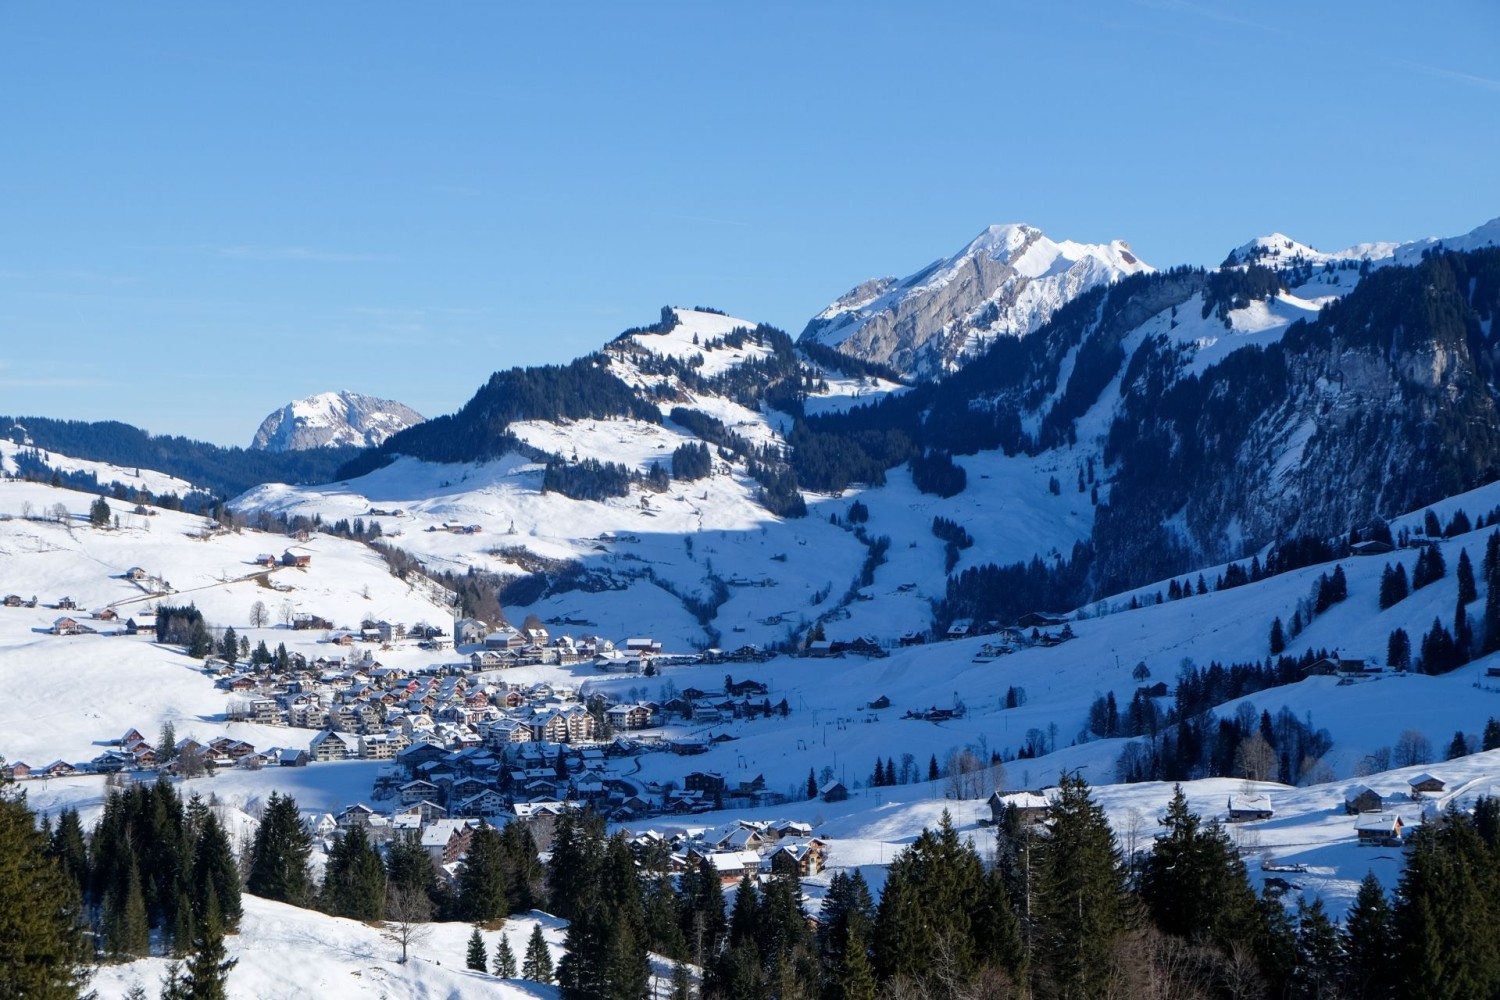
407	910
259	616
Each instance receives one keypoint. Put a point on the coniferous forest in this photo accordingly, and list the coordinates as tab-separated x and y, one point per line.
1050	908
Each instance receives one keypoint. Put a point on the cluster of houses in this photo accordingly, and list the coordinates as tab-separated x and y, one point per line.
133	752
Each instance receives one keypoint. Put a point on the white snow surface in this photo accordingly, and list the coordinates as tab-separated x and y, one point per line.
153	482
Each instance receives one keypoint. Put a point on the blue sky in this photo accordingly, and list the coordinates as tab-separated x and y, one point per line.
211	209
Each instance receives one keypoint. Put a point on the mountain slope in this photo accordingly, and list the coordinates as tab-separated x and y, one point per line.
1007	282
333	419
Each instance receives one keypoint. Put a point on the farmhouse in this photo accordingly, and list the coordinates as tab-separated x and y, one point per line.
1379	829
1247	808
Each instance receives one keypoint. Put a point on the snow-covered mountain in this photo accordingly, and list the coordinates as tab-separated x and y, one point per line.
331	419
1007	282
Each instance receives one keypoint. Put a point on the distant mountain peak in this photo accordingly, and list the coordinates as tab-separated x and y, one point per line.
333	419
1007	281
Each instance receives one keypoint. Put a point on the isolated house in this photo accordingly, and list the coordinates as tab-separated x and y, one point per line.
834	791
1362	799
1426	783
1247	808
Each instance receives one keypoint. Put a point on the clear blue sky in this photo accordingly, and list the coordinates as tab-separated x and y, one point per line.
211	209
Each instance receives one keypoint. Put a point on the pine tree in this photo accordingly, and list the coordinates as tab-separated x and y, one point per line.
1194	883
537	966
166	743
1278	637
127	930
1320	952
354	879
1491	593
1393	585
1490	739
208	969
1467	591
280	852
477	959
1398	650
1369	945
812	784
923	926
481	879
505	959
214	867
1082	903
933	773
41	945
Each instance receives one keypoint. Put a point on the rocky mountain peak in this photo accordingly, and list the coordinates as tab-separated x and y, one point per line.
333	419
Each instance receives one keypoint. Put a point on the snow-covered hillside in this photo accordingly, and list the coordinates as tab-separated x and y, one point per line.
333	419
89	688
1007	282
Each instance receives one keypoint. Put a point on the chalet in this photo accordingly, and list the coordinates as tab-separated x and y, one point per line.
880	703
329	745
106	615
59	769
486	804
805	858
266	559
834	791
1032	809
13	601
358	815
294	757
1373	547
305	621
707	782
731	865
642	644
111	761
1248	808
136	574
912	639
1362	799
1425	783
447	840
17	771
960	629
66	626
1379	829
1039	619
740	689
298	560
66	604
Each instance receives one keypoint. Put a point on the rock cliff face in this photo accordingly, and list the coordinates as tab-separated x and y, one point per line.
1007	282
332	419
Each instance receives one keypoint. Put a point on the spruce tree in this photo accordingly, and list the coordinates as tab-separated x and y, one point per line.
505	959
354	879
42	950
537	966
208	969
1467	591
1320	952
1193	882
1278	637
481	879
127	930
1490	739
1082	904
279	854
476	958
214	867
1369	945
